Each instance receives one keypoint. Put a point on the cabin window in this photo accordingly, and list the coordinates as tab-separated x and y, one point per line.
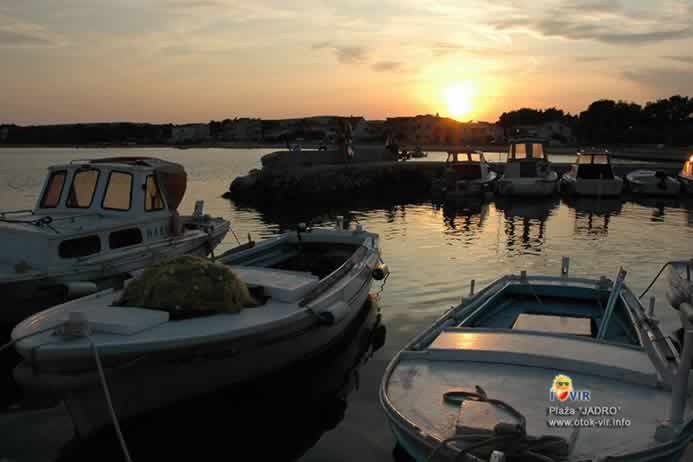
118	194
83	188
124	238
688	168
152	195
601	160
56	182
475	157
584	160
520	151
79	247
538	151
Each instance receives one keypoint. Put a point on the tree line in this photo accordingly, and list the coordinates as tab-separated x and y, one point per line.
664	121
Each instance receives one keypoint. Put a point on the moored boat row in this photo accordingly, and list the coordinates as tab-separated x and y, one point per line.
528	172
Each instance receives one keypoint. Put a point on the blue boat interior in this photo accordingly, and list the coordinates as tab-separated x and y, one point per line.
575	310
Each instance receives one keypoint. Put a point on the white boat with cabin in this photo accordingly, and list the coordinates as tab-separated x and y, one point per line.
466	174
652	183
686	176
591	175
309	286
527	171
543	368
96	220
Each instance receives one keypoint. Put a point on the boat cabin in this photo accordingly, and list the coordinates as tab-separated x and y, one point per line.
526	159
118	187
526	149
466	165
592	166
88	208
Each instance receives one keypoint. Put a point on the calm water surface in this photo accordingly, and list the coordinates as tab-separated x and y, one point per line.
433	252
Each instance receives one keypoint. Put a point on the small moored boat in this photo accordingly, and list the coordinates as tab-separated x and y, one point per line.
591	175
527	171
543	368
308	287
652	183
466	174
686	176
96	220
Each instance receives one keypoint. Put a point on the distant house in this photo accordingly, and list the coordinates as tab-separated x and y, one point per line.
424	130
189	133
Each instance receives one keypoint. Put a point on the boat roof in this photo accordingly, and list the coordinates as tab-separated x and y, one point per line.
123	161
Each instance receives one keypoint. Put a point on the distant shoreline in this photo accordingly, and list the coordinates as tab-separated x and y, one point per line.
655	153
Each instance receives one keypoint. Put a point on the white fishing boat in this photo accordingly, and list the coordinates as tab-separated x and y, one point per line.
466	174
591	175
527	171
652	183
543	368
96	220
686	176
308	286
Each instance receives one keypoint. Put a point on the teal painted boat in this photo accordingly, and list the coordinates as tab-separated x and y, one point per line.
543	368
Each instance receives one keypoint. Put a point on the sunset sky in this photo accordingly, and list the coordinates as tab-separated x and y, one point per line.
194	60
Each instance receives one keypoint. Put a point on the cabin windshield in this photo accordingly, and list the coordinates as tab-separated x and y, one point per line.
519	151
56	182
118	194
538	151
152	198
83	188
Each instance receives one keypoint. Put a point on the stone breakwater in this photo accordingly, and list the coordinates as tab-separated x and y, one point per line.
340	182
336	182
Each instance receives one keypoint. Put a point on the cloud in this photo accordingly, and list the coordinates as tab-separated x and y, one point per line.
608	22
190	4
681	59
346	54
17	34
665	81
446	48
591	59
387	66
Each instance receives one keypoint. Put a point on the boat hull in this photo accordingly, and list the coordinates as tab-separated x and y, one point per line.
526	186
105	273
652	186
149	385
591	188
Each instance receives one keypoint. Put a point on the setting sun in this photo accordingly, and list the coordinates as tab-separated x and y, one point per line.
459	99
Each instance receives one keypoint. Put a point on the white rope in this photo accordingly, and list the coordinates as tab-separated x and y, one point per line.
102	376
